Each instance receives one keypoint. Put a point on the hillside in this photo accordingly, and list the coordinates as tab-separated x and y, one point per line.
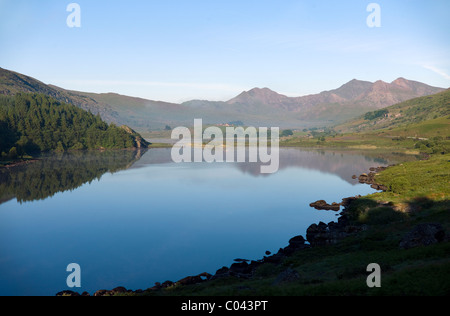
420	117
31	123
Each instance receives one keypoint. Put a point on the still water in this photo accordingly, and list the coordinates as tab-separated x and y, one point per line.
135	218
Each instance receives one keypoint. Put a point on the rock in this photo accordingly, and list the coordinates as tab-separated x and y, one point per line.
223	271
67	293
423	235
167	284
323	205
347	201
323	234
287	276
268	253
297	241
205	276
241	260
295	244
276	258
316	234
118	290
241	269
190	280
101	293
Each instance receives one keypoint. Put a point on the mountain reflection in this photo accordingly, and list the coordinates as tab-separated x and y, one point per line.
343	163
61	172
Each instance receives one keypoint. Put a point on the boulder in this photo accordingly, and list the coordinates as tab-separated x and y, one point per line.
240	269
102	293
67	293
323	234
190	280
297	241
118	290
323	205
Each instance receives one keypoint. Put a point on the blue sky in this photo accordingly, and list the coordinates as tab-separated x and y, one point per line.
178	50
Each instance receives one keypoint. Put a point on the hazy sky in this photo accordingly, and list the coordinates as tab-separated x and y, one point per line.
177	50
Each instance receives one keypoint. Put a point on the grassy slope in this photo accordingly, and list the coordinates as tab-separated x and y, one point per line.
403	115
420	118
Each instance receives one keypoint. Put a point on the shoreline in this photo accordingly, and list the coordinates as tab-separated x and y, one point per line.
19	163
317	235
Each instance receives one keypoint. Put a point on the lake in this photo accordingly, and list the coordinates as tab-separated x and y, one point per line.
133	218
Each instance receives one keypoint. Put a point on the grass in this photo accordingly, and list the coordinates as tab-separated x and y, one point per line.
428	179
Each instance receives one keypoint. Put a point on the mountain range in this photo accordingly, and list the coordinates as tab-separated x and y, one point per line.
256	107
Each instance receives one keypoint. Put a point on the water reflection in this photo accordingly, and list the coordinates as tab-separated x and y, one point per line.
61	172
344	163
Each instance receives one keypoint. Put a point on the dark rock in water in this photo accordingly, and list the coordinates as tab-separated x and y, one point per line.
323	234
379	187
268	253
241	260
423	235
323	205
287	276
241	269
223	270
221	273
119	290
101	293
297	241
367	178
167	284
190	280
68	293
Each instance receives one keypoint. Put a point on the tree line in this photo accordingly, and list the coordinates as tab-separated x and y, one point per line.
33	123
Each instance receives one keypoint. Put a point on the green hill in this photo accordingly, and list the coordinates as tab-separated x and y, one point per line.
32	123
420	125
422	117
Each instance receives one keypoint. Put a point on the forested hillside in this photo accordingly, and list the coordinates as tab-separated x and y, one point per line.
31	123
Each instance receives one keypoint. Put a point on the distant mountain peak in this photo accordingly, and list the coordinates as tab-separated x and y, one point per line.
258	95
